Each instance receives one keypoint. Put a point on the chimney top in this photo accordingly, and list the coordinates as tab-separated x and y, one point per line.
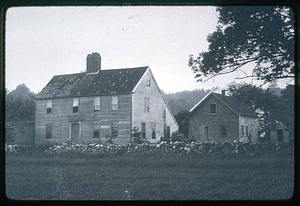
224	92
93	62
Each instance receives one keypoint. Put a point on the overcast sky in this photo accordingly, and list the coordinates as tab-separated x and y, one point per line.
45	41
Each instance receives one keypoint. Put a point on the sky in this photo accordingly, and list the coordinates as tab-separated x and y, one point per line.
45	41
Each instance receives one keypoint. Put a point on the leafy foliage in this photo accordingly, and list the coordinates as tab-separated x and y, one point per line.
19	104
136	136
183	126
266	103
263	35
184	100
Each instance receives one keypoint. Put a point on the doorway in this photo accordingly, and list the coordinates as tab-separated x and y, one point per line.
75	134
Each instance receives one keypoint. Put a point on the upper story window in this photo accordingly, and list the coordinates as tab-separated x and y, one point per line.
75	104
164	112
49	106
213	108
147	104
96	103
148	79
114	103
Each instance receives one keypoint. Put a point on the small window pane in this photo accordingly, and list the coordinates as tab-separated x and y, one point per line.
96	133
75	105
143	130
148	79
114	129
164	111
114	103
48	131
147	105
97	104
213	108
223	130
49	106
242	130
153	129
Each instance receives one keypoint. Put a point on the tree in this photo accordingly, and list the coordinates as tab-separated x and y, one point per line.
287	112
264	102
19	104
183	127
263	35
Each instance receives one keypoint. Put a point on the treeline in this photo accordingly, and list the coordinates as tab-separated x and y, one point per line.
19	104
184	100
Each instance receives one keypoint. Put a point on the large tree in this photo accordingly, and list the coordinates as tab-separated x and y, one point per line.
19	104
263	35
268	105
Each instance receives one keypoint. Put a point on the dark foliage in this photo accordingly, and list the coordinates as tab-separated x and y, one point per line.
263	35
266	103
19	104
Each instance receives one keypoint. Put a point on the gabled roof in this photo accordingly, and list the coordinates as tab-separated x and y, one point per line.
104	82
231	102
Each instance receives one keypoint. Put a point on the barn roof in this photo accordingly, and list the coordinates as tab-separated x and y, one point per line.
231	102
236	105
104	82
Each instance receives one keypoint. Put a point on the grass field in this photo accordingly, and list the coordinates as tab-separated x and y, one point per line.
148	177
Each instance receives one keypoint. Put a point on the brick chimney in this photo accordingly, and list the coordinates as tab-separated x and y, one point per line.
224	92
93	62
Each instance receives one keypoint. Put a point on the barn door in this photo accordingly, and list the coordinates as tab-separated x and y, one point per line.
75	133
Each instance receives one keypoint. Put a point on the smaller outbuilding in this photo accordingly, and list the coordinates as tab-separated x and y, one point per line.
219	118
276	131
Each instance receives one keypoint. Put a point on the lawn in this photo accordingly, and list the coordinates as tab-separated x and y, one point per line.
148	177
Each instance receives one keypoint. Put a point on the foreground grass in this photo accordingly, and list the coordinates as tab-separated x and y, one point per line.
148	177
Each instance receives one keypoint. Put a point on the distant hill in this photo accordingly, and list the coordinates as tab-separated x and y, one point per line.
184	100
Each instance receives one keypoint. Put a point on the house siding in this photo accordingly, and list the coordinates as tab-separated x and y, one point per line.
155	114
252	124
62	116
202	118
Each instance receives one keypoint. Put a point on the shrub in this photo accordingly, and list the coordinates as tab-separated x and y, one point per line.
136	136
177	137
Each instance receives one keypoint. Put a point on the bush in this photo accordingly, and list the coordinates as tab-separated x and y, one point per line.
136	136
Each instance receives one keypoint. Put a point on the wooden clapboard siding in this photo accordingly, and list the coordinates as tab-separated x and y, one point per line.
156	108
62	114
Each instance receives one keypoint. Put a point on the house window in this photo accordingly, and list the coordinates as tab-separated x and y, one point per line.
148	79
223	130
242	130
144	130
114	129
96	133
247	133
153	129
114	103
75	104
147	104
213	108
164	113
96	104
49	106
48	131
168	132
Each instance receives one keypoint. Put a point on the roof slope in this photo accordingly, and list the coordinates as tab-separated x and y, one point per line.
236	105
105	82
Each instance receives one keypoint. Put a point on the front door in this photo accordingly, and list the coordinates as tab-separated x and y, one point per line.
75	133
